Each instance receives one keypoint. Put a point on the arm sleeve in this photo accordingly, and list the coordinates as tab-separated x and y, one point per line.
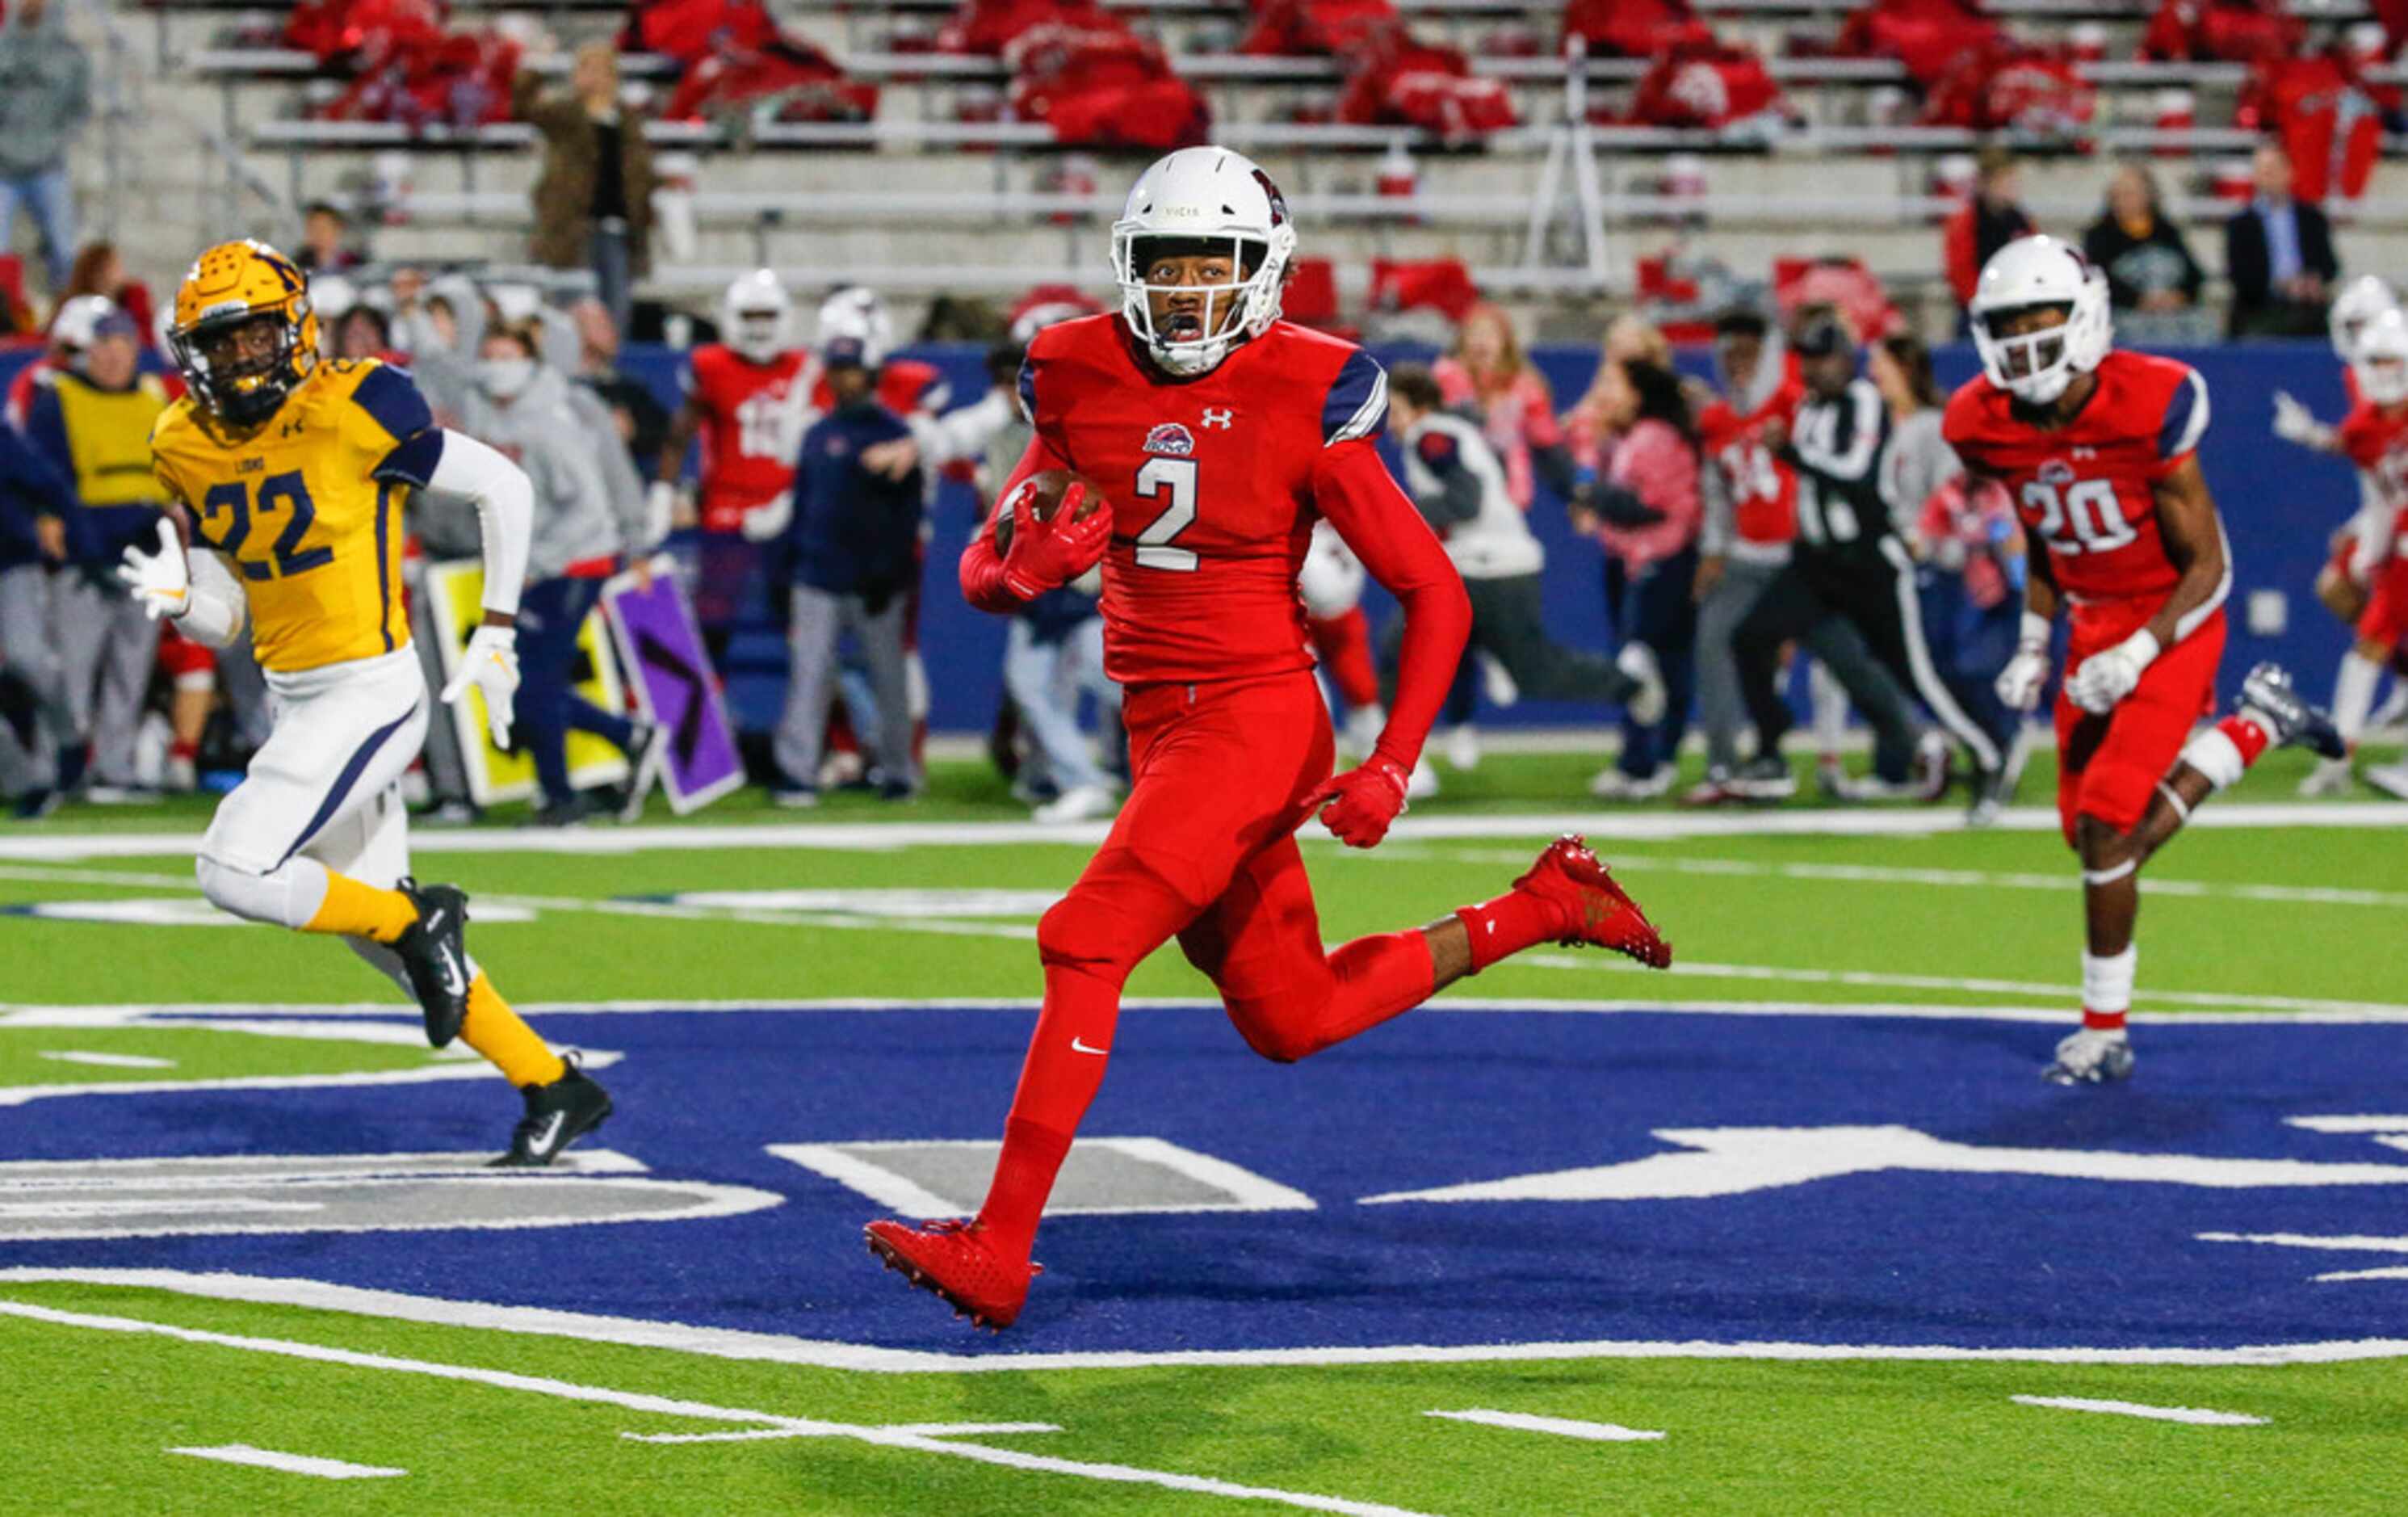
1355	492
504	502
981	566
214	615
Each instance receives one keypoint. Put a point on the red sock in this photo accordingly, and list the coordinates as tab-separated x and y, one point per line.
182	749
1344	643
1507	925
2246	735
2102	1021
1065	1066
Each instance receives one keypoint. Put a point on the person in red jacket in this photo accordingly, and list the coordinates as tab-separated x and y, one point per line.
1203	436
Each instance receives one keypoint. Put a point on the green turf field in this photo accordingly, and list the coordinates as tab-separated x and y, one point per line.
107	1380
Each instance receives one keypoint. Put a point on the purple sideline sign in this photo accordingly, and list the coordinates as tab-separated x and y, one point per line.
660	647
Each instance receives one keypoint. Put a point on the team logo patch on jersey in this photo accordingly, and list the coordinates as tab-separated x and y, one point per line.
1170	439
2057	472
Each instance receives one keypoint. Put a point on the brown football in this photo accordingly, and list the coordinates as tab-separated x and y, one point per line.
1047	488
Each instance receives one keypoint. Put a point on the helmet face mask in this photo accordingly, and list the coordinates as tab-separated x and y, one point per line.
1199	207
245	334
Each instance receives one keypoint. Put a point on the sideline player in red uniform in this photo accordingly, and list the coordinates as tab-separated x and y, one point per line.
2098	449
2374	437
1215	435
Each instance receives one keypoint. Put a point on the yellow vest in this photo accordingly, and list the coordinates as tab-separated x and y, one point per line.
108	439
295	505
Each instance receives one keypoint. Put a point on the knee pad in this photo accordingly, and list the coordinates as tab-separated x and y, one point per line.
253	897
1117	914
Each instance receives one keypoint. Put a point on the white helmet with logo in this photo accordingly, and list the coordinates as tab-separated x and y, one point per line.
1203	200
753	315
855	314
2380	362
2363	300
2039	271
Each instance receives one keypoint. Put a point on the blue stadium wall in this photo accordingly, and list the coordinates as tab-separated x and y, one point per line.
2280	504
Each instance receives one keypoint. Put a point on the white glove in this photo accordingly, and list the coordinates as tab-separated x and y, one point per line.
162	582
660	511
490	663
2107	677
2295	423
2019	683
767	521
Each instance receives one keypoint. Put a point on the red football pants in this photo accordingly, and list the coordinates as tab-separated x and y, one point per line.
2108	767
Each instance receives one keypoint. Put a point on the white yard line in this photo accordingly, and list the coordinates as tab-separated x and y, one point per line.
1561	1427
928	1430
17	1095
2196	1415
889	836
2312	1240
292	1464
104	1061
728	1343
664	1406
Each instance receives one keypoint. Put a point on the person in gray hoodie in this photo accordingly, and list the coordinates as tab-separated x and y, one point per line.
45	99
585	528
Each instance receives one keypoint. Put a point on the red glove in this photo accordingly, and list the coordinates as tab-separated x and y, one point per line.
1046	555
1358	805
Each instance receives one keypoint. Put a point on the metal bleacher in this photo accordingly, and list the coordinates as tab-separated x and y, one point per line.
921	199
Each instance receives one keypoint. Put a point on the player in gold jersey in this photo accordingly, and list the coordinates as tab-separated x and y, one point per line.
290	472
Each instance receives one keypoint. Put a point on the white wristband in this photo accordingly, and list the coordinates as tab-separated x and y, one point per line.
2037	629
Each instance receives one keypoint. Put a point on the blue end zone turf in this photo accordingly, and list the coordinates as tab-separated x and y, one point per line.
1941	1254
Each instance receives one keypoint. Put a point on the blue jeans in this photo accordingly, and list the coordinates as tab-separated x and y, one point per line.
548	706
50	199
1655	606
1046	679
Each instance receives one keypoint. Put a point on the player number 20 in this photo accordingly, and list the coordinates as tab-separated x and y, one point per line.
2086	519
1174	477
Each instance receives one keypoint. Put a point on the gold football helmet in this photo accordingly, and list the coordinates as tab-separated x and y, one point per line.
245	334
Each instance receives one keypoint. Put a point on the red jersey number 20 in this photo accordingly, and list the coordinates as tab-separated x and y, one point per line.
2085	518
1172	480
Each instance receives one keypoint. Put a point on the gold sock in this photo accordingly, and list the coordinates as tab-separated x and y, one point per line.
494	1030
357	910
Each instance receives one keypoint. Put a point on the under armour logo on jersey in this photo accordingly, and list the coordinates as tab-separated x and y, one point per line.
1219	418
2084	451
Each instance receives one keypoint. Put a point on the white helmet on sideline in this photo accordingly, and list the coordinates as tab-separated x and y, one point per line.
77	318
753	314
2359	302
2380	362
2033	271
1203	200
856	313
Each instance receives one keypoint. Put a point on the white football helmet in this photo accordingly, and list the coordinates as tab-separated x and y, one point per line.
2380	362
2036	366
1198	200
856	313
72	329
2363	300
753	315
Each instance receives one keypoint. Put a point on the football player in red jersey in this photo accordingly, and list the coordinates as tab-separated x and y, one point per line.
1216	435
744	396
2098	449
2374	437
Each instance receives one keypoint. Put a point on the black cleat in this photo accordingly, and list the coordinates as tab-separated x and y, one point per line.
558	1115
435	951
2294	722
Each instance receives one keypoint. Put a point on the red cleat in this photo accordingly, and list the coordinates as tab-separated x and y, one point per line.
953	1260
1589	907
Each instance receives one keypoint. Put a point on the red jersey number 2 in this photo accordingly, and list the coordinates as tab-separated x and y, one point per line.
2086	518
1174	479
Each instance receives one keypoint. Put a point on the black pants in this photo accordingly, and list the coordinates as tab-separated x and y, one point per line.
1505	625
1656	606
1870	587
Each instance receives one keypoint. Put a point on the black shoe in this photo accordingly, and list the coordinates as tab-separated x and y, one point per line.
574	812
435	951
558	1115
1765	777
646	752
2267	692
32	806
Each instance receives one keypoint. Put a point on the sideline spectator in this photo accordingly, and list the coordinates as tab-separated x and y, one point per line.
1651	561
326	240
2278	252
594	196
1992	217
2148	264
71	329
94	423
855	540
1488	373
583	528
35	502
640	421
45	99
98	269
